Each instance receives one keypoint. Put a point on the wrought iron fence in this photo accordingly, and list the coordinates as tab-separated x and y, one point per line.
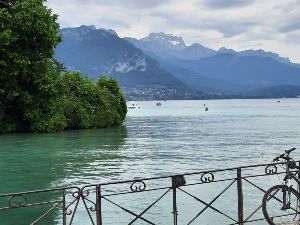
175	199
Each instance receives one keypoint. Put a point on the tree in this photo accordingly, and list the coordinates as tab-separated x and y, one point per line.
29	34
36	94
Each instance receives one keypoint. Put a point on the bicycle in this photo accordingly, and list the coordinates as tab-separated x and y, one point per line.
280	204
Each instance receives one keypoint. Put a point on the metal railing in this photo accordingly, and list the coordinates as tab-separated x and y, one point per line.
103	203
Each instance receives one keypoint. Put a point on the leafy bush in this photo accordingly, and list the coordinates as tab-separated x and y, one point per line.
90	105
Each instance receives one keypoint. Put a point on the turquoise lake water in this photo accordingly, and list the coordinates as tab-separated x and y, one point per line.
176	137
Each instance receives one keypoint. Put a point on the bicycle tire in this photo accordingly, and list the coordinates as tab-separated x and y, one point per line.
265	200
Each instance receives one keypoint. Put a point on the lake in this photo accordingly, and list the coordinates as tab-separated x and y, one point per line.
174	138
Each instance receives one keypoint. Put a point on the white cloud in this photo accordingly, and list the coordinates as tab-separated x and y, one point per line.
272	25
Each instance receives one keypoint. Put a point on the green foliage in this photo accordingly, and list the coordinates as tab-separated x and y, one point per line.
89	105
28	37
113	87
35	94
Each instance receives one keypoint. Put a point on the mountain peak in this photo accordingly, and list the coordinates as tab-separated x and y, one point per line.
226	50
79	33
252	52
110	31
197	45
87	27
169	40
93	27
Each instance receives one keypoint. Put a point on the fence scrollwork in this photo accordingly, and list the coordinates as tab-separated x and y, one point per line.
271	169
207	177
138	186
17	201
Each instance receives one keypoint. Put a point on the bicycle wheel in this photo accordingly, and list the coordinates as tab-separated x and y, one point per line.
273	210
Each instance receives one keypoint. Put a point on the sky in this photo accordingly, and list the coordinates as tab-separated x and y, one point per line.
272	25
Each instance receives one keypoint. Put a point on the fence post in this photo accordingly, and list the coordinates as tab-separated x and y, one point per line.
175	212
64	208
177	181
98	205
298	189
240	197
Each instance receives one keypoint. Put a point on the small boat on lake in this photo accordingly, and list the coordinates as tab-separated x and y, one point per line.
133	105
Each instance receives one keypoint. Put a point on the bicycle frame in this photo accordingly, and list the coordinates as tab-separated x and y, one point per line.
289	176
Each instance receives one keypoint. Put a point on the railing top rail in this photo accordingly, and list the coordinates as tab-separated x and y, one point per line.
187	174
40	191
141	178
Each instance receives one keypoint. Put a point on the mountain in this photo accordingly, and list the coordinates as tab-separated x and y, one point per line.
170	46
162	66
201	82
259	53
225	70
251	71
98	51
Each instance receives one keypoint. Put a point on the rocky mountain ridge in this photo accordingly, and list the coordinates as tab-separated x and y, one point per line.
162	62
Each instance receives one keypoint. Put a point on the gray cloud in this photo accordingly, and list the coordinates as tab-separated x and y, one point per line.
233	29
128	3
290	27
221	4
106	22
269	24
229	28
